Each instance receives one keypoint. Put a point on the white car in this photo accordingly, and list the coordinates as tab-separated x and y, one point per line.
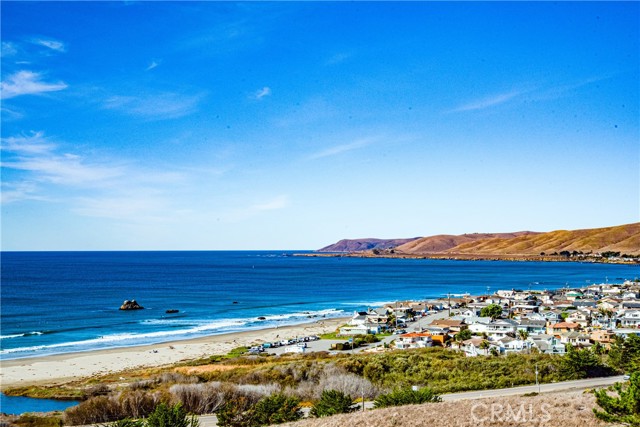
626	377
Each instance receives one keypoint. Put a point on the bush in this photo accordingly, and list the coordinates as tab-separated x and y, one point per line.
332	402
170	416
406	396
236	412
625	408
30	420
276	409
199	398
98	409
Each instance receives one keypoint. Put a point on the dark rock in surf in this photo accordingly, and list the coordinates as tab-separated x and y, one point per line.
172	310
131	305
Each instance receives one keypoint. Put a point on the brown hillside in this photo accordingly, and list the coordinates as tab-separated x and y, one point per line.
444	242
623	238
556	409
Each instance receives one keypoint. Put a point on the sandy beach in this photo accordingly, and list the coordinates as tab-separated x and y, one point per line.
63	368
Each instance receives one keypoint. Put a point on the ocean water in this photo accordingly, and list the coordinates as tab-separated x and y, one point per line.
60	302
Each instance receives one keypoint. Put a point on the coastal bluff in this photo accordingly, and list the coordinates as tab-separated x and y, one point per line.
131	305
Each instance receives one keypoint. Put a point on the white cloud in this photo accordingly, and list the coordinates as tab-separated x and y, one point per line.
338	149
259	94
488	102
157	106
27	83
279	202
153	65
51	44
33	144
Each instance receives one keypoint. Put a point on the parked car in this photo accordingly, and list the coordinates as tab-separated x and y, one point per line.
626	377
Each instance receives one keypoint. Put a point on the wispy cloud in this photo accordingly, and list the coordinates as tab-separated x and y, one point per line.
488	102
27	83
279	202
156	106
8	49
35	168
337	58
261	93
54	45
152	65
342	148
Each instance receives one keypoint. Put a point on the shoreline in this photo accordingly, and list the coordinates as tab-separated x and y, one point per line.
67	367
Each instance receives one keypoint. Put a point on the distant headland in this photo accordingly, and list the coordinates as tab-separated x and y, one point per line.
617	244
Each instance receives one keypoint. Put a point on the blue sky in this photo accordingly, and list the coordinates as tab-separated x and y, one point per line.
222	125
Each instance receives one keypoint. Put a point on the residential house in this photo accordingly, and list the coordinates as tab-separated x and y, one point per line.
500	328
574	338
514	345
558	328
414	340
580	318
548	344
532	326
603	337
630	319
454	326
478	347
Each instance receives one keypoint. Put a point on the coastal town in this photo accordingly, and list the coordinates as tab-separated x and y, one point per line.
500	323
509	321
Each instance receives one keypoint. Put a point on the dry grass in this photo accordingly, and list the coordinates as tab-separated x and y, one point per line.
554	410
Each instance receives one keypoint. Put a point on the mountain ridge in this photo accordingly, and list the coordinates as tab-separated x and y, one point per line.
621	238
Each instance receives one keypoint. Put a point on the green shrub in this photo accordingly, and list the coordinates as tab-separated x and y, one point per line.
332	402
623	409
406	396
237	412
276	409
30	420
170	416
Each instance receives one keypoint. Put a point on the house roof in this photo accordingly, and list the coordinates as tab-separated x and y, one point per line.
416	335
566	325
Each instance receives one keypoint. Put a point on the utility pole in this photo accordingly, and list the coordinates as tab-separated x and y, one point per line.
537	383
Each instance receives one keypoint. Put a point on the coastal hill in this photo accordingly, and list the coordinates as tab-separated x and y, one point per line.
359	245
623	238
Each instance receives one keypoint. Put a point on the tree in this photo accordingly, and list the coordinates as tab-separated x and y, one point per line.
170	416
625	408
492	310
625	353
463	335
583	363
332	402
522	334
406	396
276	409
236	412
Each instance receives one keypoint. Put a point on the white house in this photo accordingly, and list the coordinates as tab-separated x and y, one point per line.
513	345
414	340
548	344
630	319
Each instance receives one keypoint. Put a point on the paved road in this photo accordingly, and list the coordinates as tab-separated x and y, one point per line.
544	388
567	386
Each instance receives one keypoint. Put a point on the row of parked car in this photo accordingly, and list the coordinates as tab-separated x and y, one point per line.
300	341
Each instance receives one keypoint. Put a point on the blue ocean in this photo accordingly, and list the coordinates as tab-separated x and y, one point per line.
60	302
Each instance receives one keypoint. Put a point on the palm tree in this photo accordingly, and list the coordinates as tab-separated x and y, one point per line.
523	334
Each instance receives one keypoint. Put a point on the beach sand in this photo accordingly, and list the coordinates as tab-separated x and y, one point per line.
58	369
